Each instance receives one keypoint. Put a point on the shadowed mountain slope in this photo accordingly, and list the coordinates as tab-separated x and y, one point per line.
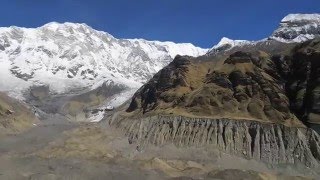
14	116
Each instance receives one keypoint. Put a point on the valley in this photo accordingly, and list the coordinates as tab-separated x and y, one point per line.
58	149
77	103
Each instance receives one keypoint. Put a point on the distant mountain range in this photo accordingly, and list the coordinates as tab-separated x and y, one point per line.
72	58
294	28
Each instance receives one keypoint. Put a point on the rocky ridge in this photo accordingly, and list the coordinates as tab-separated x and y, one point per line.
294	28
269	143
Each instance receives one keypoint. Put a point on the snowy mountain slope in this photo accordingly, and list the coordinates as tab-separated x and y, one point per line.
293	28
298	28
226	44
73	56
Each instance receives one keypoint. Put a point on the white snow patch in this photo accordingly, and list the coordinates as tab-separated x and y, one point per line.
121	98
97	117
225	41
112	103
301	17
232	43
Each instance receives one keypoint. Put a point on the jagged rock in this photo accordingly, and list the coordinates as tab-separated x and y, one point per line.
270	143
9	112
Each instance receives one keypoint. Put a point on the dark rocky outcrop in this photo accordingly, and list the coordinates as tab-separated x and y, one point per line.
169	77
20	74
301	72
239	57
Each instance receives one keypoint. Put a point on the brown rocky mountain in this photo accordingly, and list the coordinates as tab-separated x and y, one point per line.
255	103
257	85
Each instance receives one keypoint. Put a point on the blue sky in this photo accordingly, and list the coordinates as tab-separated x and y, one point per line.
201	22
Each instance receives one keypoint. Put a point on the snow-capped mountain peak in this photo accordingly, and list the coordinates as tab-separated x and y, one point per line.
294	28
226	41
67	56
69	27
54	26
226	44
297	28
172	48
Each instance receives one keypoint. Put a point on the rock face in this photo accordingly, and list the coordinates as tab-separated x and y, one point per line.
171	76
270	143
301	72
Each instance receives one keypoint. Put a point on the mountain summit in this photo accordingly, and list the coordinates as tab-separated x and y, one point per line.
298	28
294	28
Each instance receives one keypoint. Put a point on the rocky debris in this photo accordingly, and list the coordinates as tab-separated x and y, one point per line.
249	175
270	143
9	112
235	173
